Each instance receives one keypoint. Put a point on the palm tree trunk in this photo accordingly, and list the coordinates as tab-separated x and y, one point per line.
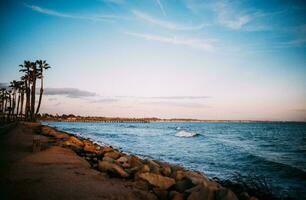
21	104
33	98
18	102
14	104
41	93
28	92
10	108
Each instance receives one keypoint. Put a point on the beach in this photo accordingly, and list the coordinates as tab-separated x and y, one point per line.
63	166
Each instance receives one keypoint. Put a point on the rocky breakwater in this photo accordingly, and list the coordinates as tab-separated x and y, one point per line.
162	179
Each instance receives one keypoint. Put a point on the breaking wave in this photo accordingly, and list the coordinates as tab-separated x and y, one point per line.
185	134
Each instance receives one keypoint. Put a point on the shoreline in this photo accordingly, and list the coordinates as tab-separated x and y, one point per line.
151	178
163	178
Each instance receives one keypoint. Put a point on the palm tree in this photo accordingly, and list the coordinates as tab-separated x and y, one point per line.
33	77
42	65
26	68
2	98
19	87
22	91
14	86
9	108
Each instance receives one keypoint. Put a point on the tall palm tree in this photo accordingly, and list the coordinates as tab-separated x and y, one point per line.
33	77
14	86
42	65
22	91
2	99
26	68
19	85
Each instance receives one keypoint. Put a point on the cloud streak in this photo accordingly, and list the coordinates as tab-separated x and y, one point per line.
165	24
69	92
105	18
229	18
161	7
190	42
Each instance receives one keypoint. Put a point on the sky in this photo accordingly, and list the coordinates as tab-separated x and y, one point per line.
205	59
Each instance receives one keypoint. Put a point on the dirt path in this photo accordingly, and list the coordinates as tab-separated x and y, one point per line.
54	173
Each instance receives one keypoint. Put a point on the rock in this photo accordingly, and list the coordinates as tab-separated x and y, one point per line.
166	170
76	141
106	149
179	175
92	148
183	185
225	194
73	146
135	162
162	194
201	193
196	178
112	154
145	168
244	196
108	159
105	166
157	180
45	130
154	167
176	196
122	159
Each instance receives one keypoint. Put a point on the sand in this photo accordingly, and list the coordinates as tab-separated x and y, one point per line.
54	172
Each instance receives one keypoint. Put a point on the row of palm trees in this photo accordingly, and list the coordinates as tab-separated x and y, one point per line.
18	101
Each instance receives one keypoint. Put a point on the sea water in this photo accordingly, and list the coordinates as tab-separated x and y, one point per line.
276	151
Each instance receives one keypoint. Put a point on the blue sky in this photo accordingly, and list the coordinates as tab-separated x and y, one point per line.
176	58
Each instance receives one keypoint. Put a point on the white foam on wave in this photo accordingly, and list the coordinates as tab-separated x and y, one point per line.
185	134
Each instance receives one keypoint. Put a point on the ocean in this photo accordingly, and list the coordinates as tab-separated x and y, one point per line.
276	151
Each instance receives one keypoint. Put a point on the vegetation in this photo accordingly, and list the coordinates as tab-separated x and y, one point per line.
18	100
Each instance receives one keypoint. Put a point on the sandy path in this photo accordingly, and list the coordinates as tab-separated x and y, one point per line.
54	173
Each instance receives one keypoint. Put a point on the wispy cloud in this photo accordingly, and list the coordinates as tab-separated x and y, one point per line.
161	7
119	2
69	92
105	100
190	42
166	24
181	97
229	17
105	18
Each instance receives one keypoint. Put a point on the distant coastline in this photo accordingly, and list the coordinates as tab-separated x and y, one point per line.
74	118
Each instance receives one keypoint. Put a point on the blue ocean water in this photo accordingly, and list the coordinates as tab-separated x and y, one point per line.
276	151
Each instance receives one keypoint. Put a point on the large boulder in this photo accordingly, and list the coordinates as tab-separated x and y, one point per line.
225	194
200	192
154	166
159	181
135	162
112	168
113	154
183	185
195	177
106	149
76	141
45	130
123	161
91	148
162	194
173	195
166	170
